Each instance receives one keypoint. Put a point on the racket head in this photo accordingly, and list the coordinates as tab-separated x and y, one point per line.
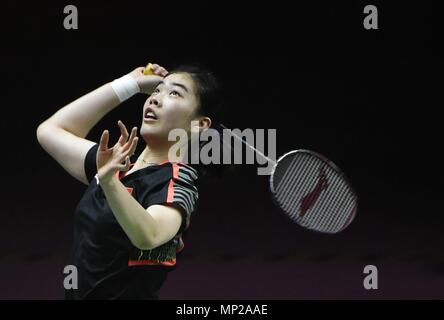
313	191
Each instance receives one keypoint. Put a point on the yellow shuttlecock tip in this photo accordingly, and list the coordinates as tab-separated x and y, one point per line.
148	70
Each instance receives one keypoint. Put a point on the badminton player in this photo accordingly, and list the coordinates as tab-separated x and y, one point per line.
129	222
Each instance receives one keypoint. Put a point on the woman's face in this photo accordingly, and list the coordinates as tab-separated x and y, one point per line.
173	104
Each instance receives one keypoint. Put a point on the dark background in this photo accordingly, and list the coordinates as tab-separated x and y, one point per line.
370	100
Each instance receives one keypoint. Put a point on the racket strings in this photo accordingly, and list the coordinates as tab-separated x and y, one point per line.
336	208
297	180
288	185
312	193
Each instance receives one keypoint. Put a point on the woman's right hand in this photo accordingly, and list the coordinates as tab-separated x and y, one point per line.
147	83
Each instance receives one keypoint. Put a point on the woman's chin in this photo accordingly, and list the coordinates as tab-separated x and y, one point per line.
153	135
148	128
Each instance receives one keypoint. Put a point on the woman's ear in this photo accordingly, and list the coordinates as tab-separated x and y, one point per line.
203	123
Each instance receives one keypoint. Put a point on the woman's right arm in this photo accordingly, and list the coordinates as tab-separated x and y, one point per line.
63	134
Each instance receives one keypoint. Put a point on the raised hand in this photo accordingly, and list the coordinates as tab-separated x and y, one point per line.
147	83
110	160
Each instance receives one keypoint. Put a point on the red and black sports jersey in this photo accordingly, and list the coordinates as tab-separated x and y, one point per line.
109	265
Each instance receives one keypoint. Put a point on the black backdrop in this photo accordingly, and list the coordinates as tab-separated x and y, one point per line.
368	99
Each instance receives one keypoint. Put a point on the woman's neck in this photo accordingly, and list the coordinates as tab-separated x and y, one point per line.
153	156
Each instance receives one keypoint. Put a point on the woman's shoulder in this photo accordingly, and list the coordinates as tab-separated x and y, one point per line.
183	170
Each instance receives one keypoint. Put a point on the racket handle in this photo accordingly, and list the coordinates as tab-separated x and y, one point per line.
148	69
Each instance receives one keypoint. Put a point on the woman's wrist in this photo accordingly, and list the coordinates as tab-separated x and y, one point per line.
104	180
125	87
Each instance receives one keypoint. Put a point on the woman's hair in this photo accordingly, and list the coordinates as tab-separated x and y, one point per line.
210	99
208	90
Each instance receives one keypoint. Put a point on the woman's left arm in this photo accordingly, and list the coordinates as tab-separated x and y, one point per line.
146	228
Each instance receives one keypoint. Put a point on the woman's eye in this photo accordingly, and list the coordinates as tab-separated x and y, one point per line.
156	91
175	93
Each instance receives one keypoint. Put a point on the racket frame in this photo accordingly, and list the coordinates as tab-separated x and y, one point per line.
334	167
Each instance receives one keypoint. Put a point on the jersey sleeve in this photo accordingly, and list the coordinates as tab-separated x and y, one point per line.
90	164
179	187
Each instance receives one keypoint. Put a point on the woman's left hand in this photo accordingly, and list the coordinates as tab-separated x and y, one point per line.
110	160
